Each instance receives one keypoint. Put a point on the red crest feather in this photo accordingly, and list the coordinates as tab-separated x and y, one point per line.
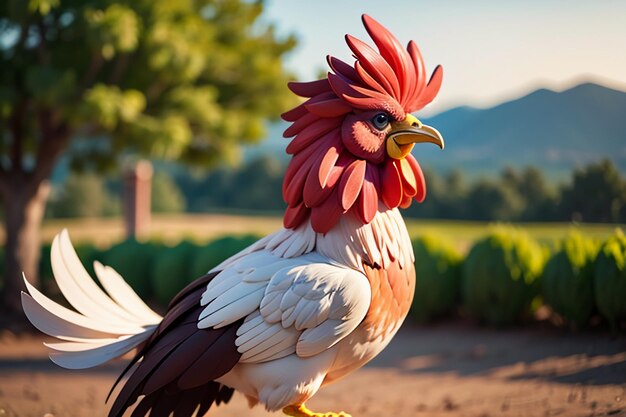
323	180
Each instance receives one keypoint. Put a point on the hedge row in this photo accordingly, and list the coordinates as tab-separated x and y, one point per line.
502	279
156	271
507	274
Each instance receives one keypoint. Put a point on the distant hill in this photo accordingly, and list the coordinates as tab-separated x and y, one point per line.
554	131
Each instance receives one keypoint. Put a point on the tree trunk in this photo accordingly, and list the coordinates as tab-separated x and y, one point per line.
24	212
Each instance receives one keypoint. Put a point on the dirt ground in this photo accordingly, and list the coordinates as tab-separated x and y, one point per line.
448	369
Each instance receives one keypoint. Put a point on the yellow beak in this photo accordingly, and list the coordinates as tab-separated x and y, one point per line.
405	134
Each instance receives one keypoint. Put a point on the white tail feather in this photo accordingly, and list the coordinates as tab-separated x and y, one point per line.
123	294
87	355
106	326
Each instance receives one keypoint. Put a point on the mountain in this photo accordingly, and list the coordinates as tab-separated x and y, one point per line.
554	131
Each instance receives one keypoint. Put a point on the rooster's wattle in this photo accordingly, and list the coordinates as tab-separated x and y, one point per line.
303	306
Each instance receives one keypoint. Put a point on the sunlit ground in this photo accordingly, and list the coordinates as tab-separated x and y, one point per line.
442	370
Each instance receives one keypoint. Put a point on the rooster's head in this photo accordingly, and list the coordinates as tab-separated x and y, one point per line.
354	134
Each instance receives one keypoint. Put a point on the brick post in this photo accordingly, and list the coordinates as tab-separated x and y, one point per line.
137	197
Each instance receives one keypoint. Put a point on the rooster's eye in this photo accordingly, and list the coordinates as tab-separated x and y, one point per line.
380	121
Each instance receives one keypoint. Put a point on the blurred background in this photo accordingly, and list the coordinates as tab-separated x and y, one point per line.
150	129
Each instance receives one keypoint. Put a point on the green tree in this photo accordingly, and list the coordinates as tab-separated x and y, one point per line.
445	196
431	207
83	195
537	200
490	200
255	185
539	197
597	193
260	185
166	196
454	196
510	177
179	80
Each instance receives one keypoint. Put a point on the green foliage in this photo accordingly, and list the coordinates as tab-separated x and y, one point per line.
45	266
166	196
133	261
446	196
218	251
112	30
258	183
171	271
253	186
497	280
537	197
597	193
610	278
109	105
83	195
514	195
489	200
500	275
179	80
437	278
567	280
42	7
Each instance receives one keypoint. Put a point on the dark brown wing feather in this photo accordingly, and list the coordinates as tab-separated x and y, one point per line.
176	368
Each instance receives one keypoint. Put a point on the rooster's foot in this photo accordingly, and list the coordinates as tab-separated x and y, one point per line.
302	411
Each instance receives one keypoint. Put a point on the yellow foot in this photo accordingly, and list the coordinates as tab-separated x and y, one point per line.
302	411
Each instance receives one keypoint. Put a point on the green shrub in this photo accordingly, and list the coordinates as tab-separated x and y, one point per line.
217	251
171	271
45	266
133	261
437	278
610	278
567	280
500	275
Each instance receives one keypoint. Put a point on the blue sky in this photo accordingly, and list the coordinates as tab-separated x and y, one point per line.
491	50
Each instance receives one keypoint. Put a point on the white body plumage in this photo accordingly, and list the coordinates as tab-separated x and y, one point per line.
303	297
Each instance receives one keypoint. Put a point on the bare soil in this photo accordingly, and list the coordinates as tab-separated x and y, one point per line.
448	369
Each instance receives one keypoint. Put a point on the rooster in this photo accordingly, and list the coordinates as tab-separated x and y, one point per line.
302	307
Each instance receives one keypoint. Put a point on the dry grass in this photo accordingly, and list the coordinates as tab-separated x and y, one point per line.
205	227
167	228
